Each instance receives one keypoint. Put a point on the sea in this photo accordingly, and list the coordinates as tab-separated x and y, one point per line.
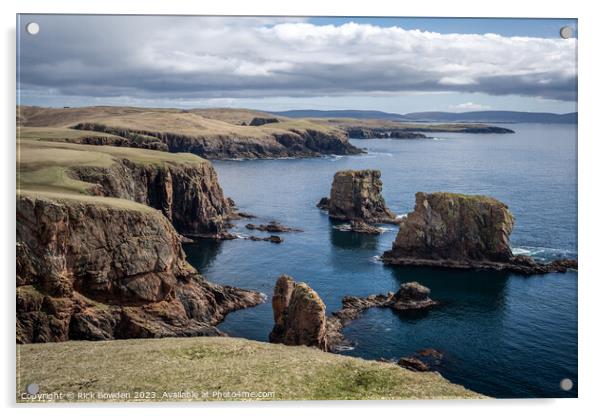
501	334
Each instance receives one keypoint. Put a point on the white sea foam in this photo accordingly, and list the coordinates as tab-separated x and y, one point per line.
376	259
401	216
542	252
344	348
342	227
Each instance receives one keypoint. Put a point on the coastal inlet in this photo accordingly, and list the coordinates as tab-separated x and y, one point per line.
520	326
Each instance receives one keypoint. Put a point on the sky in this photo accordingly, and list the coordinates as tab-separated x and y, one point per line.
398	65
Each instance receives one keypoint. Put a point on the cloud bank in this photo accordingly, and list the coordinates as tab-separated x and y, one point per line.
203	57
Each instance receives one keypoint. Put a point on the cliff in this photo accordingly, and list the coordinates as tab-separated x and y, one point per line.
462	231
189	195
356	195
98	256
183	187
279	143
97	269
213	133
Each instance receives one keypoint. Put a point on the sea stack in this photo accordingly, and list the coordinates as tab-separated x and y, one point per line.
462	231
299	315
356	195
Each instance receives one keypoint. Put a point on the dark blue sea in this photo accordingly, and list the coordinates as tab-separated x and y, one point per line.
502	334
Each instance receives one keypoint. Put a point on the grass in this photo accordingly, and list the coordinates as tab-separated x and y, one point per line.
43	166
220	364
56	134
194	123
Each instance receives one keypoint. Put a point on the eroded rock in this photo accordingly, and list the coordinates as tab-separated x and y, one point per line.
272	227
86	270
462	231
356	195
299	315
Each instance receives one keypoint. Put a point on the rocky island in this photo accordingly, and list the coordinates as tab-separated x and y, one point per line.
355	196
462	231
300	314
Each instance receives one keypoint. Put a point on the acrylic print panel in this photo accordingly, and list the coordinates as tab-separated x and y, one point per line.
369	208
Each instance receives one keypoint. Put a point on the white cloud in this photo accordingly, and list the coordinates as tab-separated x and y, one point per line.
248	57
469	106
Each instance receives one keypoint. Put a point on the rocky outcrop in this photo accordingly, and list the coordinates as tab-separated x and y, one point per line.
276	144
188	194
462	231
260	121
413	363
299	315
94	270
272	239
359	226
410	296
272	227
356	195
382	133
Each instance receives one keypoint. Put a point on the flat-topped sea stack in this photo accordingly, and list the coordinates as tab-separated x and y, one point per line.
462	231
356	195
299	315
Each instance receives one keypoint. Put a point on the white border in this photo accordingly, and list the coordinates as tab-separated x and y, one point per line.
590	202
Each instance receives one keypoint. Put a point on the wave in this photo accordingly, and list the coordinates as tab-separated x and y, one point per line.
543	253
344	348
401	216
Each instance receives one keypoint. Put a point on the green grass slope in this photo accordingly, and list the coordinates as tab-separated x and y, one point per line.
43	166
216	367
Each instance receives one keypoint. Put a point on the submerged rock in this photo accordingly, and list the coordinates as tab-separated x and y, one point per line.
356	195
299	315
462	231
272	239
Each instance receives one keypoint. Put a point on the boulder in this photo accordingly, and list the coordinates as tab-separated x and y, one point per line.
462	231
356	195
299	315
412	363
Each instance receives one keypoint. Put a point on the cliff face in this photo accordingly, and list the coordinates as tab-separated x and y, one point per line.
453	226
88	270
462	231
188	195
299	315
278	143
356	195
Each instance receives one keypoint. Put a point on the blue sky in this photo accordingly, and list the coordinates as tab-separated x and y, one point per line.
544	28
391	64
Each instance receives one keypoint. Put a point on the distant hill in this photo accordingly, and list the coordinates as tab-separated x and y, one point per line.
494	117
438	116
362	114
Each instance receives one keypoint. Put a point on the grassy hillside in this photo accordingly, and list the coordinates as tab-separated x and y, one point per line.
194	123
210	364
43	166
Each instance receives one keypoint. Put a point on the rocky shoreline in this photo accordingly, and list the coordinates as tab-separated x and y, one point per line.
96	272
300	314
